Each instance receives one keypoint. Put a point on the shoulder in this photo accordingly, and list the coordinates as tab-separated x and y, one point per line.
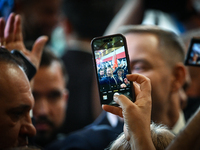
96	137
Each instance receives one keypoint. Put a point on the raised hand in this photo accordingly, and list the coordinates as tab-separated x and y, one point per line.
11	38
137	115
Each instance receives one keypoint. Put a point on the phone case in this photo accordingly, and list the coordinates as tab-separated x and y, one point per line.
111	62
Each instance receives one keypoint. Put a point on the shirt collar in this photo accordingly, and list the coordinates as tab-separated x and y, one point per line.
179	124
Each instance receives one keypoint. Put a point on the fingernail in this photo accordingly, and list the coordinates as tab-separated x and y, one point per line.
116	93
115	96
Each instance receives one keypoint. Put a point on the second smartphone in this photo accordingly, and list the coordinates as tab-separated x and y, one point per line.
193	54
111	61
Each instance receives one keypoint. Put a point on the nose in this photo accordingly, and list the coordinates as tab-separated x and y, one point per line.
27	128
41	108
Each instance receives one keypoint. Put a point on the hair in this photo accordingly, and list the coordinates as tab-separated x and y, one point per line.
109	68
48	57
89	18
170	45
101	70
161	138
120	70
6	56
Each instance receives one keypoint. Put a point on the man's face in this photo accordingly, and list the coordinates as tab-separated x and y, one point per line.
101	73
119	73
50	100
16	101
146	59
42	16
109	72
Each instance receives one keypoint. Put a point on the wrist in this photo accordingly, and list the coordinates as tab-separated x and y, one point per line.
141	139
142	143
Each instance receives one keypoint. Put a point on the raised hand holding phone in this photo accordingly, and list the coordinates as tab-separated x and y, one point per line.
111	62
136	115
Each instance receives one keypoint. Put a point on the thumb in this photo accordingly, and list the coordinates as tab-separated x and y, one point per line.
39	44
38	47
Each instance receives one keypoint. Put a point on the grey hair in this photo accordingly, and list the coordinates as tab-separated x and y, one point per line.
160	134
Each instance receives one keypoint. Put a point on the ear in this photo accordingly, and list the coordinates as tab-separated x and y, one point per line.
66	95
179	72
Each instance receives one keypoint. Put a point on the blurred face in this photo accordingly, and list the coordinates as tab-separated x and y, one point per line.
146	59
101	73
109	72
16	101
41	17
195	57
119	73
50	100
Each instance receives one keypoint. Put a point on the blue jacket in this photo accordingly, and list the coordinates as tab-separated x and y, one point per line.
96	136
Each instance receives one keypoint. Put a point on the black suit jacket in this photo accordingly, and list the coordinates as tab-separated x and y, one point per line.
96	136
80	69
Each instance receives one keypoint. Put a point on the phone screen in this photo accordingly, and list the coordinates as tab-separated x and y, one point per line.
111	61
193	54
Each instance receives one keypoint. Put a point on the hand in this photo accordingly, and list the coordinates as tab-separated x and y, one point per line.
11	38
137	115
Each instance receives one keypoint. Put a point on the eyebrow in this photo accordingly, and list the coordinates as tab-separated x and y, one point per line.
139	61
20	107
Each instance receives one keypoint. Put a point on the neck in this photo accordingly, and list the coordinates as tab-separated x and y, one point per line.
168	114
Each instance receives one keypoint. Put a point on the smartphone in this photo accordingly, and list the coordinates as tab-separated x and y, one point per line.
111	62
193	55
30	69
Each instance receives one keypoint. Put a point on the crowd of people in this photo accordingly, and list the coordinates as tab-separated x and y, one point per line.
113	78
59	108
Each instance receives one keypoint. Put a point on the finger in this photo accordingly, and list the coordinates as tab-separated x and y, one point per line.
143	98
145	84
123	101
113	109
136	88
2	26
18	29
38	47
9	29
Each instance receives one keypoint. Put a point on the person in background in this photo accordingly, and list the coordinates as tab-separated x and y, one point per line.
160	58
122	78
39	17
101	73
109	81
50	97
82	21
